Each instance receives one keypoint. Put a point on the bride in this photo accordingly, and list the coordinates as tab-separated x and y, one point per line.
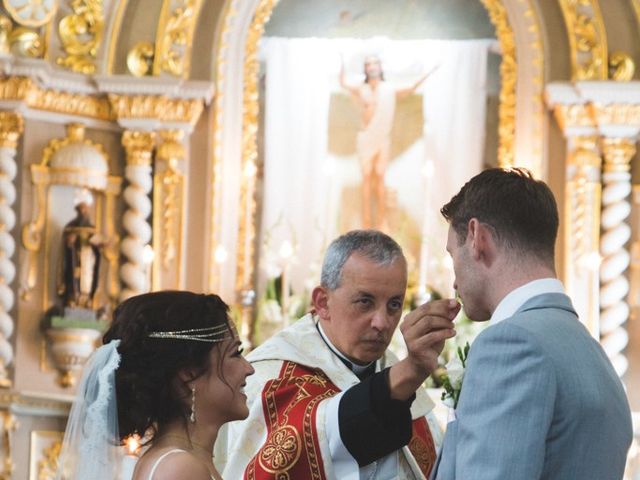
171	371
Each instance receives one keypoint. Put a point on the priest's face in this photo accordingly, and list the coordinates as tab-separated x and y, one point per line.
360	316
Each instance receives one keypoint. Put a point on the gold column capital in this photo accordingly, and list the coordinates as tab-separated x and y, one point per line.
573	115
11	127
618	153
585	151
171	147
139	146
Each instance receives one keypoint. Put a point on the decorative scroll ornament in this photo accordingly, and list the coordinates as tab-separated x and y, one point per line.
621	67
19	41
508	76
11	127
32	13
175	37
139	147
9	426
169	201
616	232
81	35
48	465
140	59
587	39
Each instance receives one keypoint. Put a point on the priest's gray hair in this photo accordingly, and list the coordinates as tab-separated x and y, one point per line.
371	244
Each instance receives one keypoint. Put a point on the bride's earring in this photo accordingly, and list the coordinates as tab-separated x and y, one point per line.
192	417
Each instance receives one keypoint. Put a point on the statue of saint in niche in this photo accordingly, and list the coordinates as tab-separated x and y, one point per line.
80	260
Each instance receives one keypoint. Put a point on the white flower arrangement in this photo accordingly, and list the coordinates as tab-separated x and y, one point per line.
452	380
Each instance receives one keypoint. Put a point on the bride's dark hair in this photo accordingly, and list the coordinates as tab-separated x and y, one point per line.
148	391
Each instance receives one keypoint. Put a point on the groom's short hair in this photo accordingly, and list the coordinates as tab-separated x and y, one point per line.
520	210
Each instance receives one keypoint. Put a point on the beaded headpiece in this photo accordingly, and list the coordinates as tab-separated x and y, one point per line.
206	334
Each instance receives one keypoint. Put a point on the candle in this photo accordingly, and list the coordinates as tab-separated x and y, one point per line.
131	446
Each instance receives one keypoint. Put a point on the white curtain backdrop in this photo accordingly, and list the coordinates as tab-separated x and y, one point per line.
302	180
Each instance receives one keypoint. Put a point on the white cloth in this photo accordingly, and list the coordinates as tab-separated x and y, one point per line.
374	138
518	297
305	184
91	446
301	343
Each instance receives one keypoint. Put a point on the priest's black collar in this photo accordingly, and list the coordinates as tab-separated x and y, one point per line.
360	371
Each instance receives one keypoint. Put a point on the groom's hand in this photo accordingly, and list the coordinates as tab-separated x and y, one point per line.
424	330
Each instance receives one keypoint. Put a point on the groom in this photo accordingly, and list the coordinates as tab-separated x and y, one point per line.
540	399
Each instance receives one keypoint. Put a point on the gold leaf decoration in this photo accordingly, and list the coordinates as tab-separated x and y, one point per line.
81	34
140	59
587	39
621	67
175	37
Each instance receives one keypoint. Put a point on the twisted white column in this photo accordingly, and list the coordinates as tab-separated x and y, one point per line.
11	126
614	286
134	272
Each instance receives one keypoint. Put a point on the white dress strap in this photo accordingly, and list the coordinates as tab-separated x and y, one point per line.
162	457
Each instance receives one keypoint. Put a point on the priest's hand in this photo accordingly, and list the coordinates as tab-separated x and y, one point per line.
424	330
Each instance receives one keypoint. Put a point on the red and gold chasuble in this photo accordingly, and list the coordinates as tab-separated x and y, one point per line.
292	449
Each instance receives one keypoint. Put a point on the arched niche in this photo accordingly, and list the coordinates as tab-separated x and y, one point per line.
232	209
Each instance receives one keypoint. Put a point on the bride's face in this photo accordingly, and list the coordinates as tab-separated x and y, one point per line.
220	392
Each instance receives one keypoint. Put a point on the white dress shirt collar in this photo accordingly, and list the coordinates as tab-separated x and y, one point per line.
518	297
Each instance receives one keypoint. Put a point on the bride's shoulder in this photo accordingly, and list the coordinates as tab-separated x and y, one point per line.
170	464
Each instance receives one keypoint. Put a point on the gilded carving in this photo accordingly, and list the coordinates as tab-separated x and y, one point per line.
175	37
587	39
158	107
139	147
48	464
573	115
81	34
621	67
26	90
9	425
508	77
140	59
169	201
19	41
11	127
616	113
618	153
246	234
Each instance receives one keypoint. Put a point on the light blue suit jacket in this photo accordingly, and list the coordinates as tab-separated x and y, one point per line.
540	400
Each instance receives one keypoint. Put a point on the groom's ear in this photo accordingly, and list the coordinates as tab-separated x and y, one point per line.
481	241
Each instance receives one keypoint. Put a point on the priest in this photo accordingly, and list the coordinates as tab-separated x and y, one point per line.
328	400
